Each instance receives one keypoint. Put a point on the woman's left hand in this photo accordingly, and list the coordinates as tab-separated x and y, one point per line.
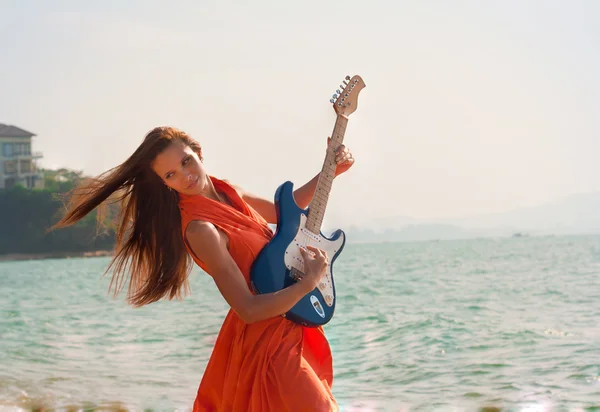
343	158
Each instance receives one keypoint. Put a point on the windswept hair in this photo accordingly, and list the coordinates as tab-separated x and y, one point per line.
149	247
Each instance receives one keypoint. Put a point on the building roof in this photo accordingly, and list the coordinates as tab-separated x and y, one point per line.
12	131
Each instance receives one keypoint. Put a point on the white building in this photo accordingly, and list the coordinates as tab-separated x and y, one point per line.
17	161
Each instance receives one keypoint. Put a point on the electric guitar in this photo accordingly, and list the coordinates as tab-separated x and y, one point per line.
280	264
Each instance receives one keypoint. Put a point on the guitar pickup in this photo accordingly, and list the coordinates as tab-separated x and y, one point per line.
310	234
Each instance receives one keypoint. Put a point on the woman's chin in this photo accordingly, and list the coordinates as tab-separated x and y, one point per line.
192	191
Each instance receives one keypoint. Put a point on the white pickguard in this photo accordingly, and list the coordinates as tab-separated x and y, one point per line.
293	258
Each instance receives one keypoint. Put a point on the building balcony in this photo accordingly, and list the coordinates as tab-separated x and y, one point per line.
22	173
18	156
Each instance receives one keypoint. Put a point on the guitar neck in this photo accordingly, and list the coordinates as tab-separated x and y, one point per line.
318	204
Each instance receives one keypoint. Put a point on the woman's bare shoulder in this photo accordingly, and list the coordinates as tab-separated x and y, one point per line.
203	237
199	227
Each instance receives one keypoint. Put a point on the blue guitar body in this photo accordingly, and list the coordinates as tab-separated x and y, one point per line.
272	269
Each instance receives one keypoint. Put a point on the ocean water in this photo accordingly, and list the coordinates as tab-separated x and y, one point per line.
487	324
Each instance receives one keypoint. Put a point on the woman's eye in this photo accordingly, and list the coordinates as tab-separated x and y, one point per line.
168	175
186	160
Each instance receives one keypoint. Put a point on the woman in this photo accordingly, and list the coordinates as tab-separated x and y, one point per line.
173	210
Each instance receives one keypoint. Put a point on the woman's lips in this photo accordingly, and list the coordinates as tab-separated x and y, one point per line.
193	184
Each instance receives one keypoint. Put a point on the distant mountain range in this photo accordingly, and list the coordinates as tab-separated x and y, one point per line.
575	214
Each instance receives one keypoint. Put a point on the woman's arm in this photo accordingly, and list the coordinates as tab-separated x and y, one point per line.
266	208
304	194
209	245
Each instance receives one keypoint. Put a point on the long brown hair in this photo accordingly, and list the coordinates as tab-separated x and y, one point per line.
149	244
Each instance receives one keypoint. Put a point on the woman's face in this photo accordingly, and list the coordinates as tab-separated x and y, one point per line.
179	168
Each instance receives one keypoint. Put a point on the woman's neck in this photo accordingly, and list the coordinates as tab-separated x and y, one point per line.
212	193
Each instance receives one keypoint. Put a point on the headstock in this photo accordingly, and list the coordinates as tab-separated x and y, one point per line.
345	99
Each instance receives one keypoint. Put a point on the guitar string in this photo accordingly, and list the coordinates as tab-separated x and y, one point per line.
330	163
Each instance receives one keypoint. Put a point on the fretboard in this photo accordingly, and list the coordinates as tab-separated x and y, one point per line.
317	206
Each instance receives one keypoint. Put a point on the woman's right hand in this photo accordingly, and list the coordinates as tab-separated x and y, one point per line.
315	266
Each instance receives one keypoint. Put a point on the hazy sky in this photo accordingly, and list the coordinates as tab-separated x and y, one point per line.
470	106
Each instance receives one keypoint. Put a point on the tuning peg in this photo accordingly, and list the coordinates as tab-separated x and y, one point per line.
347	77
335	96
331	101
338	91
342	86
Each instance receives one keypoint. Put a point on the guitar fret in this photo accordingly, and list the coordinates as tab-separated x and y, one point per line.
325	182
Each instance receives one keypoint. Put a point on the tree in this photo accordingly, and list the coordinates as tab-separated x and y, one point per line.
27	215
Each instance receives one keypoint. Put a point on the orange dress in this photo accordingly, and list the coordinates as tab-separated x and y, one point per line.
271	365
